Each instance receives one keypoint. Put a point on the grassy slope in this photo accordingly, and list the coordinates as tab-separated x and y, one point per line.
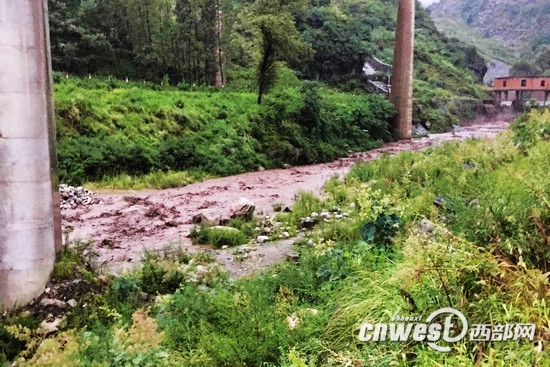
485	255
139	135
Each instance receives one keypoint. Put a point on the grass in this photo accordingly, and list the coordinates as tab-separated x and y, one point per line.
486	254
218	237
120	135
154	180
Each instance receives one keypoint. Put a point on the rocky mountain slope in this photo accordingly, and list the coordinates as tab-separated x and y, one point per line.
521	25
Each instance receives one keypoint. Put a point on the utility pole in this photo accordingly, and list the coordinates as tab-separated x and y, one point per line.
28	165
402	79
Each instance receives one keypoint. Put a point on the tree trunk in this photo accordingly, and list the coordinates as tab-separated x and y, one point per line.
264	66
220	79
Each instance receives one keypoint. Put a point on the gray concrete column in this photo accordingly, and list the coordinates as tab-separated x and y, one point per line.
403	57
27	153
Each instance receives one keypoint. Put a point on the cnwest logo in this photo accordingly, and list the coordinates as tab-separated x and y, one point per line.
453	329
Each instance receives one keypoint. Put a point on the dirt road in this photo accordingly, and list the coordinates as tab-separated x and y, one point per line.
128	222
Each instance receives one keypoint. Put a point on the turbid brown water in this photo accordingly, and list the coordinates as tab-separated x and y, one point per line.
128	222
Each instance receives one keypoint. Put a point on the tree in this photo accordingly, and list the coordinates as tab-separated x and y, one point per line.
542	60
77	41
197	40
523	69
278	39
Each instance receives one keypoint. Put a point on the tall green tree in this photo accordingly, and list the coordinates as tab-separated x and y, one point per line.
278	39
78	42
197	39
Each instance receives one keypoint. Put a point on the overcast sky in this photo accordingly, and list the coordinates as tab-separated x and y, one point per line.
428	2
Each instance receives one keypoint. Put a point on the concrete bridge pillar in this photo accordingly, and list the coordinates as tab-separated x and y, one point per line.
27	153
402	87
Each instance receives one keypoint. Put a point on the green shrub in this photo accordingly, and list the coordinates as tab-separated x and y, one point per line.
305	205
10	346
218	237
531	128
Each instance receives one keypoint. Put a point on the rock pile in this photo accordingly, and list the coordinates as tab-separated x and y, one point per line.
73	197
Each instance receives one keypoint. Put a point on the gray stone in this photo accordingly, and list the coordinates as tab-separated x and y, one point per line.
308	223
294	256
72	197
243	209
207	218
419	131
426	226
50	325
48	302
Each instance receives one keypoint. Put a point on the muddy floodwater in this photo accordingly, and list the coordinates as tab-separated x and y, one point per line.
128	222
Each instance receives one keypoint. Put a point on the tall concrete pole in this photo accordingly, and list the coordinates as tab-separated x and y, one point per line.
402	79
27	153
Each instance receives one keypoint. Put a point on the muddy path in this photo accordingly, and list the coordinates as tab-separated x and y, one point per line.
128	222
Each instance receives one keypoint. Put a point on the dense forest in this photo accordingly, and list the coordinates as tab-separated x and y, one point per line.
151	39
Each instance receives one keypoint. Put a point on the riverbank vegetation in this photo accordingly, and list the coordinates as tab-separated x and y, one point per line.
126	135
482	248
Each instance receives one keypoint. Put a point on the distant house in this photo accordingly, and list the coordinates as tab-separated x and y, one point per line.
508	90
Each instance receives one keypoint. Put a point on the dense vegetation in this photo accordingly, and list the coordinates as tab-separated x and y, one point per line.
113	131
176	41
153	38
483	251
509	30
